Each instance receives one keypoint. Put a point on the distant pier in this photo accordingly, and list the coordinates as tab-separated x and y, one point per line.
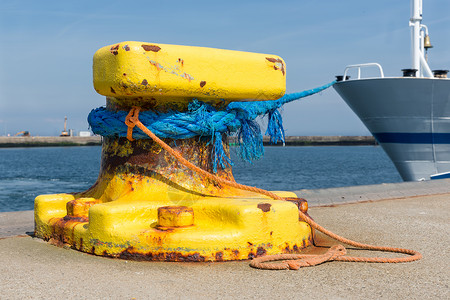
58	141
320	141
325	141
49	141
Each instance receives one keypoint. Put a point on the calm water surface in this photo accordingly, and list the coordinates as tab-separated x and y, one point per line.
28	172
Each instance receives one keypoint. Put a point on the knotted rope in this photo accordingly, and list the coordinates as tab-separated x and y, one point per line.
336	252
203	120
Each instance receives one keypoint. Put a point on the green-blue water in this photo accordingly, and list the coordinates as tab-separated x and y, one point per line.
28	172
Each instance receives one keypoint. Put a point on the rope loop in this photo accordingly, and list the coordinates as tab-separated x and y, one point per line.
130	121
296	261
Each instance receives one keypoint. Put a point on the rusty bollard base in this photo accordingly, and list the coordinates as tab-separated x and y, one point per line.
202	229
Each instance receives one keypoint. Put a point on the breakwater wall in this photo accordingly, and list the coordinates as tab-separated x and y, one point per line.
319	141
52	141
325	141
49	141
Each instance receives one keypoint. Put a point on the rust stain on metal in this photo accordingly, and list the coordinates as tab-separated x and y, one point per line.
302	205
177	210
115	49
219	256
181	61
131	254
260	251
62	229
158	66
187	76
235	254
144	82
56	242
153	48
287	249
295	248
113	91
202	83
265	207
126	48
277	61
68	218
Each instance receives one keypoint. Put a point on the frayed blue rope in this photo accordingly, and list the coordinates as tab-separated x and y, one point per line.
219	157
250	141
203	120
275	129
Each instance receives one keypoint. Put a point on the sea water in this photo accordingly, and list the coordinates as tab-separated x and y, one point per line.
28	172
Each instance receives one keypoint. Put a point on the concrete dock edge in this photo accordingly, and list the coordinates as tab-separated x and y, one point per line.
416	219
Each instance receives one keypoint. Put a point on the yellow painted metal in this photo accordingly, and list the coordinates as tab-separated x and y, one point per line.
170	72
145	204
224	229
134	206
175	216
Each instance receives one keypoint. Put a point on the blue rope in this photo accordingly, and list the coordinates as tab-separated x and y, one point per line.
203	120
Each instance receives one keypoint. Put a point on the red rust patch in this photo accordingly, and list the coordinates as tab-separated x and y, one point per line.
131	254
219	256
277	60
301	203
265	207
75	219
126	48
202	83
260	251
153	48
114	49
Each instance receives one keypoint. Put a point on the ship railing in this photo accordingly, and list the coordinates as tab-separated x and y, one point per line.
359	66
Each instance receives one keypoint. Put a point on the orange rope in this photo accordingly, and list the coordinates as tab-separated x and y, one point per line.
336	252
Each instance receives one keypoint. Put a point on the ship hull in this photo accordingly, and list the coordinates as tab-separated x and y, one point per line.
410	119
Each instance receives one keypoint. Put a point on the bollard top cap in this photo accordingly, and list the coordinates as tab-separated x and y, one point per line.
161	72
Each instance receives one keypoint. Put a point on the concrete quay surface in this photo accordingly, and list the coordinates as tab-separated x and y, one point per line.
34	269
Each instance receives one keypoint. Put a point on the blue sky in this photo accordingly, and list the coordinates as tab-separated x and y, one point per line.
47	48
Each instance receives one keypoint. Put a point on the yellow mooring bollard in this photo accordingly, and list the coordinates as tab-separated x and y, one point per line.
145	204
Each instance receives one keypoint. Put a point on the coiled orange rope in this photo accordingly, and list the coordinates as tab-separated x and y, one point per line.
281	261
